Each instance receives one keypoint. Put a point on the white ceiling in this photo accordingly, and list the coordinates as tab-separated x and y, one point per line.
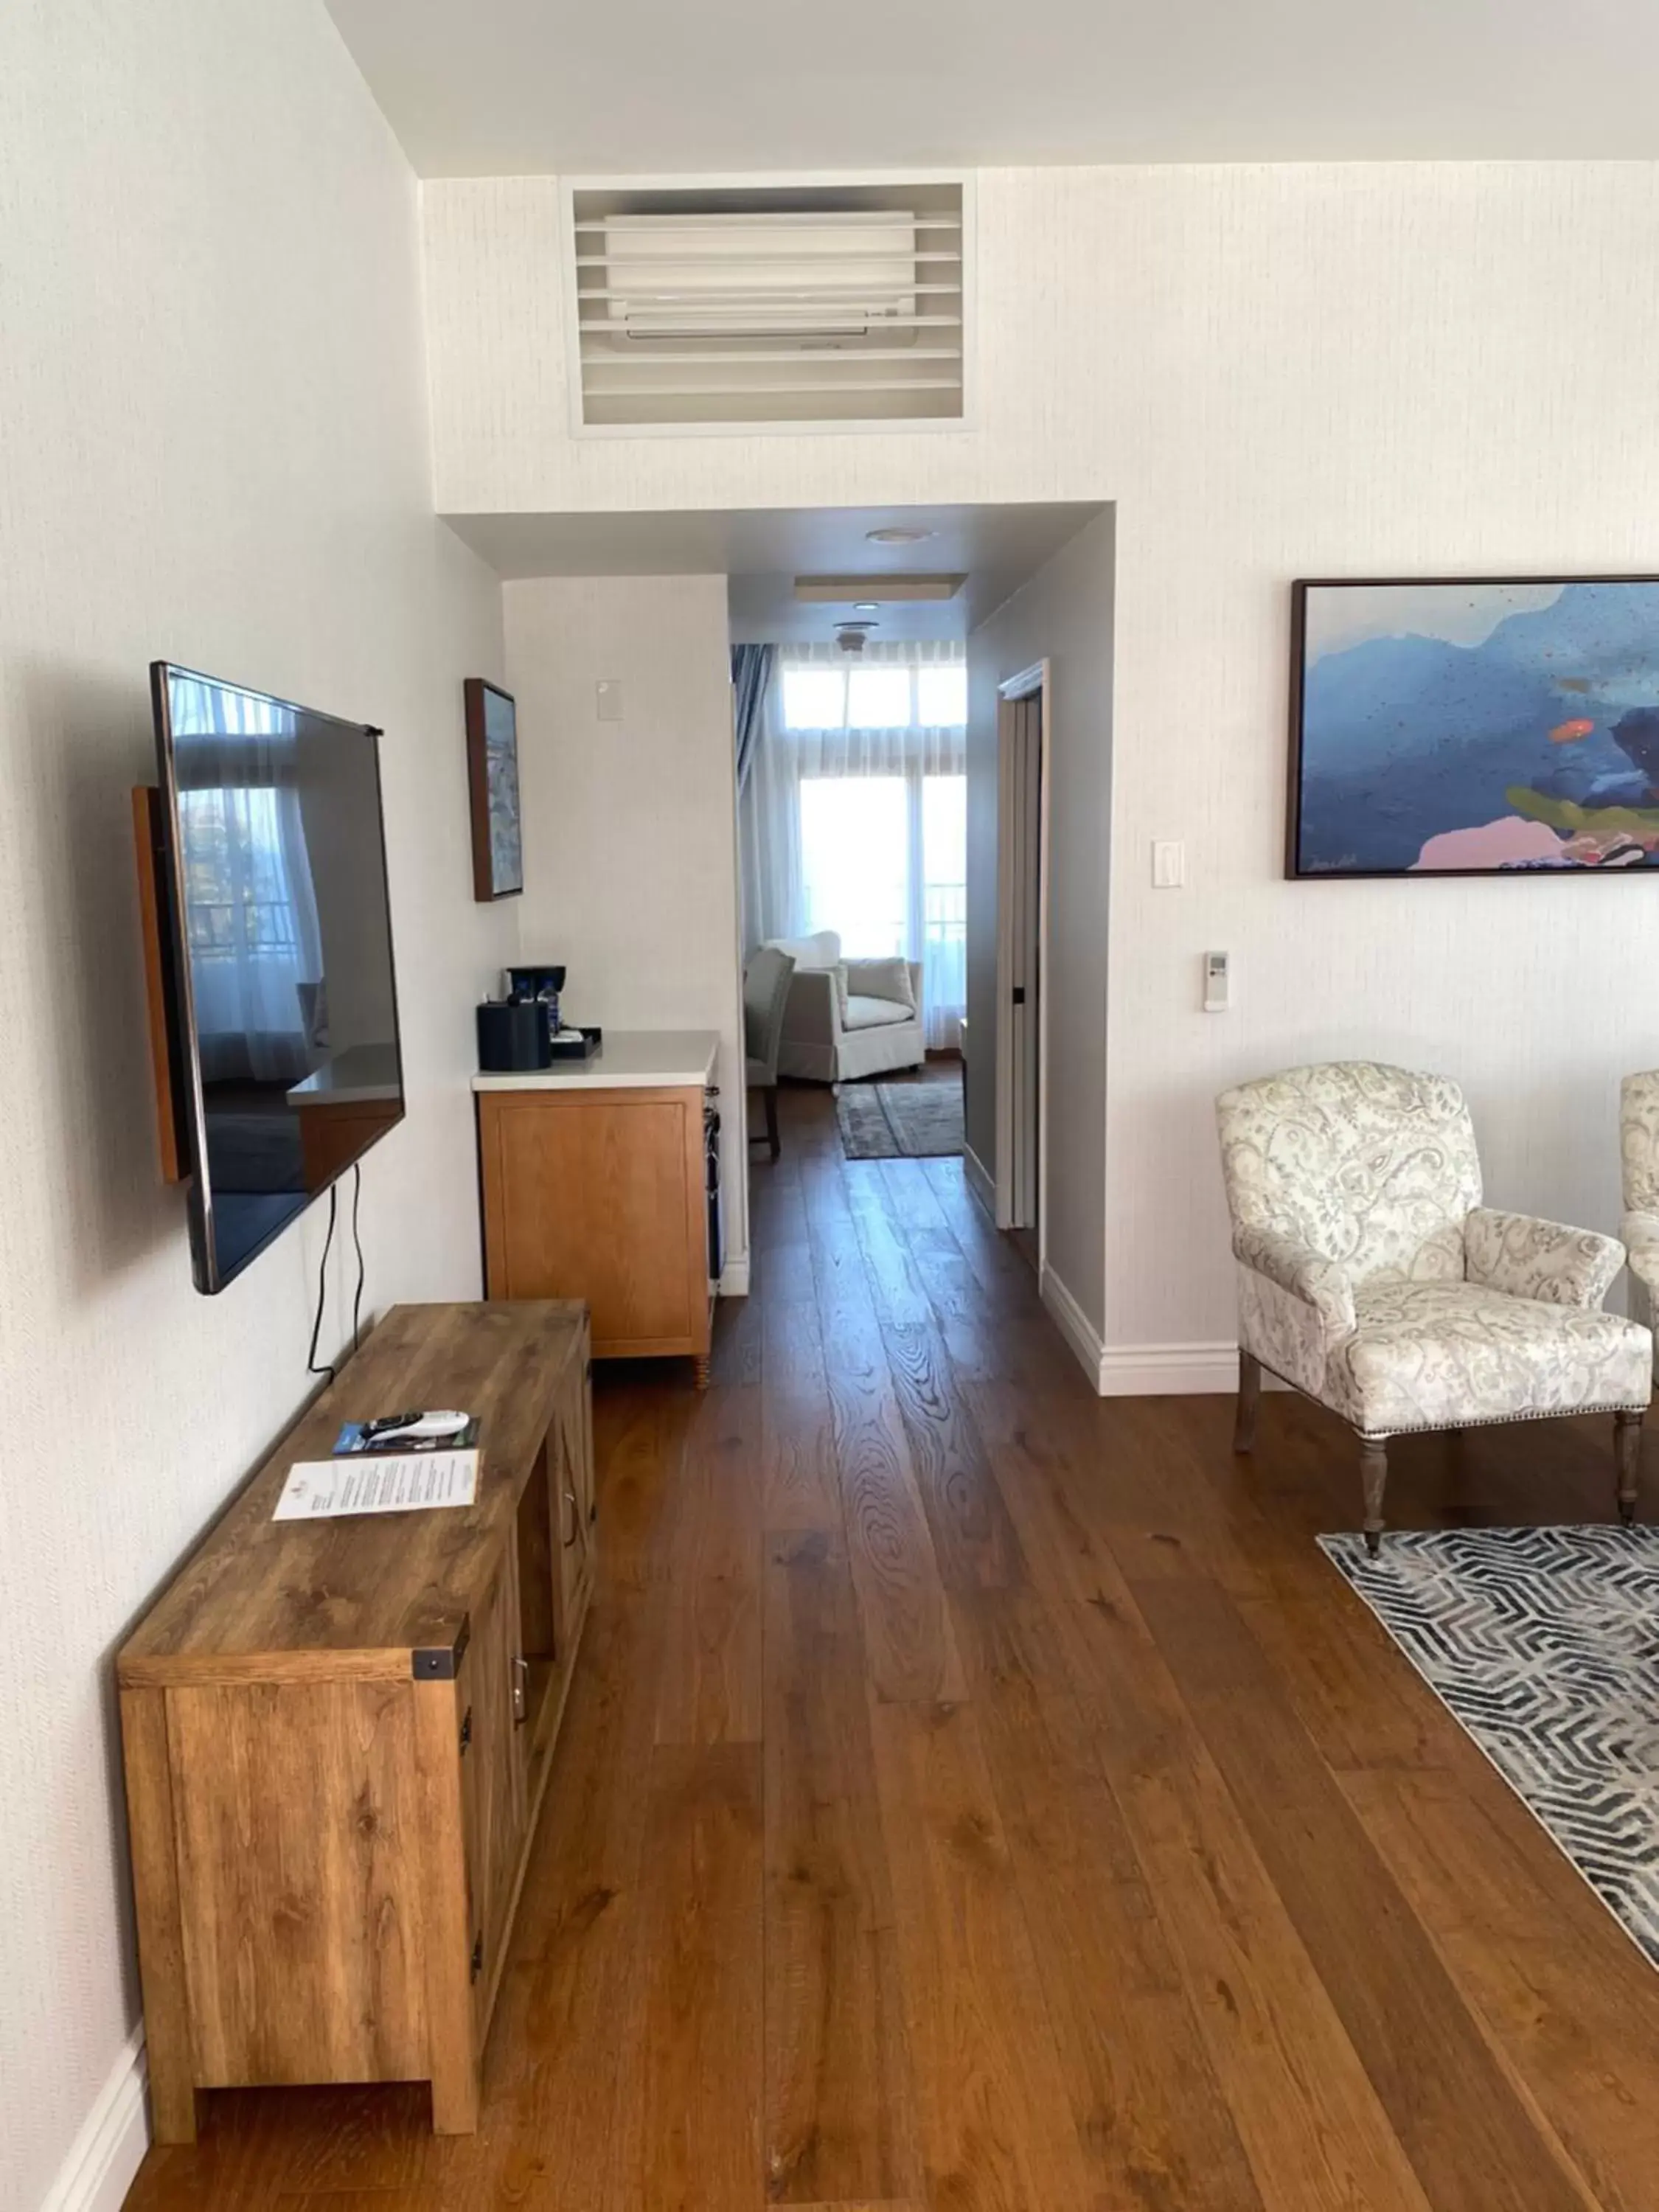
481	88
761	550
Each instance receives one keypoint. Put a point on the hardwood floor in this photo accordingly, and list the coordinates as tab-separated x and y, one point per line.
979	1797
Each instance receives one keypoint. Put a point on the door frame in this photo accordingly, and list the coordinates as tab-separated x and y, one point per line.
1034	682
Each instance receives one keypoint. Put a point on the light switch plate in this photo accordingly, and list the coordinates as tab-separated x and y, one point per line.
607	699
1169	864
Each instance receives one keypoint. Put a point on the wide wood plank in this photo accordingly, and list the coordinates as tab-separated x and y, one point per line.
1305	2110
1469	2134
560	2058
710	1688
797	1438
996	2125
688	2131
1545	1966
973	1537
1149	2109
911	1652
839	2119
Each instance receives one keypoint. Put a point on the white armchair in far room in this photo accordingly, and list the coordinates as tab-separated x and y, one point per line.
847	1019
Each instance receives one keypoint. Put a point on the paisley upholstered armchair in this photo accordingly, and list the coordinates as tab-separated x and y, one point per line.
1638	1147
1371	1277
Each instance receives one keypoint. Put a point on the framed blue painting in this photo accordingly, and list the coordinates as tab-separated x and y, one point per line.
1494	725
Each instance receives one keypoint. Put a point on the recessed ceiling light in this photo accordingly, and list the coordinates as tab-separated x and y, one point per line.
866	606
858	625
896	536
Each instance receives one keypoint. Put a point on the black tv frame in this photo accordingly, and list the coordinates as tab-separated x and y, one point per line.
190	1108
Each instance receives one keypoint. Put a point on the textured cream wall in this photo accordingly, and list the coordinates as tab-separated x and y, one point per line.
1063	615
1409	369
214	446
630	826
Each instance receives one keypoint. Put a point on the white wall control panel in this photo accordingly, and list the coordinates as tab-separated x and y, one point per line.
607	694
1169	864
1217	983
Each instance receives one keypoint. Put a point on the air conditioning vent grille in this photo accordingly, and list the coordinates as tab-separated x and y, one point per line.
753	306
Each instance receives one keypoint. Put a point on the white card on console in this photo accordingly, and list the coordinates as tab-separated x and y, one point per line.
386	1482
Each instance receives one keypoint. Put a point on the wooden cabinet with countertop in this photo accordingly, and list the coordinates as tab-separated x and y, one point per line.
337	1735
593	1183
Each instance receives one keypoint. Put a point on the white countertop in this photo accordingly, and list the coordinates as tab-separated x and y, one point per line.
629	1059
362	1071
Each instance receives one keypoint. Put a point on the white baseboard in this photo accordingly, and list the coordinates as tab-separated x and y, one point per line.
1140	1371
1074	1325
980	1181
108	2153
1168	1370
734	1278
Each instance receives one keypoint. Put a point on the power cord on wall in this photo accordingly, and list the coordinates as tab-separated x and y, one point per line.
330	1367
312	1367
357	1302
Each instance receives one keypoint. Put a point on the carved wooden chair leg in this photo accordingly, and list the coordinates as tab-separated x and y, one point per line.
1627	1457
1374	1474
1249	1401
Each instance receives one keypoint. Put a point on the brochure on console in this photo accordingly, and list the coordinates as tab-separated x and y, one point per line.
404	1482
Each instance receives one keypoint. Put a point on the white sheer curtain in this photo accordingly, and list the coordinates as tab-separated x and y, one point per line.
251	912
855	815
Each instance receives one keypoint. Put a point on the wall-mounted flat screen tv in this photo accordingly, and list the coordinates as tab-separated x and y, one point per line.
282	996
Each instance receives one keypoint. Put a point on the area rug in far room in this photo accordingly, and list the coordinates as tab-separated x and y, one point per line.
1544	1644
910	1120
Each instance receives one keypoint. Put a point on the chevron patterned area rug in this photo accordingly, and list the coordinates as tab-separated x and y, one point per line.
1544	1643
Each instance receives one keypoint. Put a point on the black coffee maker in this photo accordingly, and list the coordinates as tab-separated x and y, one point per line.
516	1032
535	986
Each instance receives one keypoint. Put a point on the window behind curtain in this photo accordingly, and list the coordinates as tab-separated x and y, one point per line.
927	695
855	862
881	798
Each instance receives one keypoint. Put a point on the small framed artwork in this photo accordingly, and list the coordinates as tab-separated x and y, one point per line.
492	767
1474	727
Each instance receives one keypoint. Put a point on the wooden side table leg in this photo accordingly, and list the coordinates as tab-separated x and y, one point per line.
155	1897
1374	1472
1249	1401
1627	1457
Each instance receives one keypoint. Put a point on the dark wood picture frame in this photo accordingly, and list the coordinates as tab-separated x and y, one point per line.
1300	588
497	861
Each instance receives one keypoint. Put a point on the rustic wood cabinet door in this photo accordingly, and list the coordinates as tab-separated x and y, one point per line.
565	1443
492	1771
